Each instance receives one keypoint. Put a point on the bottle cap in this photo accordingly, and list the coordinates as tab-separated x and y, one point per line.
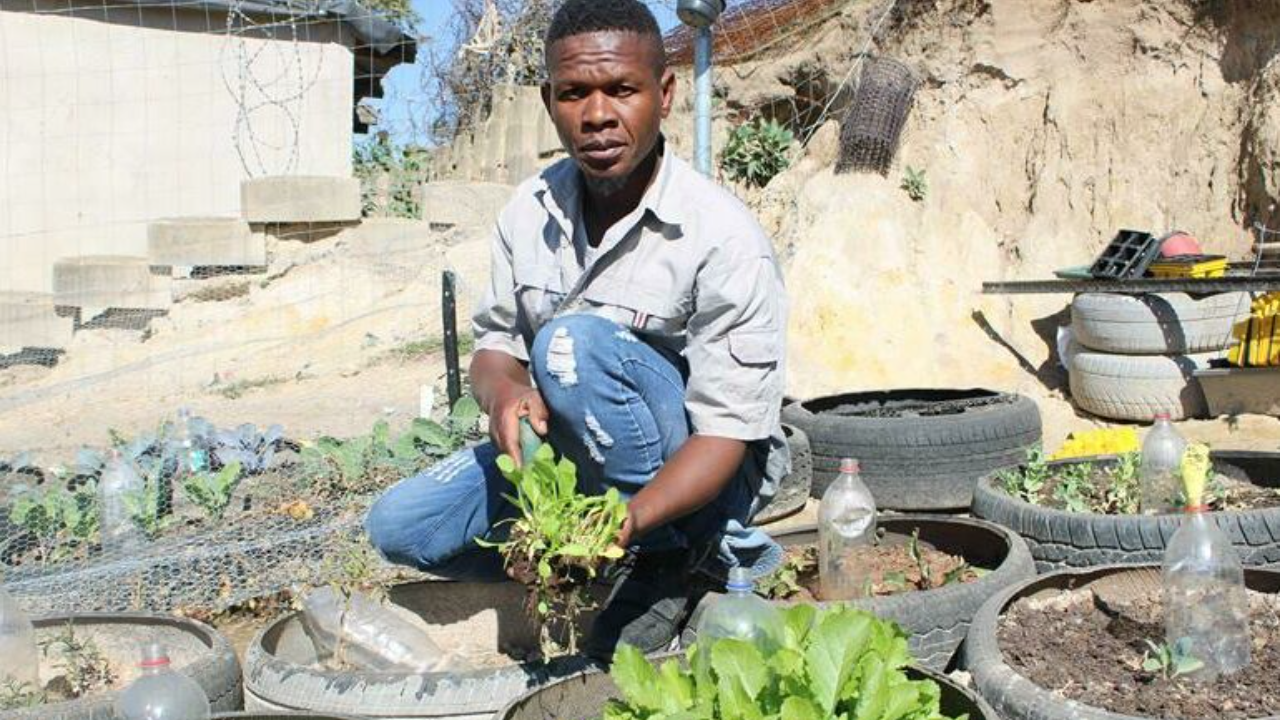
1162	416
154	655
849	465
740	579
1192	509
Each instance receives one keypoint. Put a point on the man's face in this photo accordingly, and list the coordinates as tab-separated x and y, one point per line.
607	101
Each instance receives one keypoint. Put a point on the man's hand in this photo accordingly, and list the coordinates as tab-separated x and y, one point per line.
510	404
696	475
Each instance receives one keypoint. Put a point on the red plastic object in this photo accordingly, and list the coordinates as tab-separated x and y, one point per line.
1179	243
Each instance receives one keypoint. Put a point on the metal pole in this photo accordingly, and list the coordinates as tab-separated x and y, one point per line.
702	100
449	317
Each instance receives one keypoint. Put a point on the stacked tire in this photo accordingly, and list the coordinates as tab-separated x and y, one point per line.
1135	355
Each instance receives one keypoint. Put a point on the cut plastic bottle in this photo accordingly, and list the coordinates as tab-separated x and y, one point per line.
846	525
1206	606
119	484
192	458
19	660
742	614
161	693
1162	451
364	633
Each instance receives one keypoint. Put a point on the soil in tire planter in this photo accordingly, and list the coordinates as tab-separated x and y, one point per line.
1079	647
1223	493
893	570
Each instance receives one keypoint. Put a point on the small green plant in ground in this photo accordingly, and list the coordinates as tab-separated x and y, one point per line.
559	539
785	581
212	491
757	151
80	662
837	663
147	509
1026	483
1076	487
240	388
1170	661
426	347
355	567
61	521
19	695
914	182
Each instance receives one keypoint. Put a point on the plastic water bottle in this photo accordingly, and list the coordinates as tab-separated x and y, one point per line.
191	459
741	614
1206	606
19	661
160	693
119	482
846	523
368	635
1161	456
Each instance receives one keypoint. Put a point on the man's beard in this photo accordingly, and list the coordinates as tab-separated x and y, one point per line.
605	187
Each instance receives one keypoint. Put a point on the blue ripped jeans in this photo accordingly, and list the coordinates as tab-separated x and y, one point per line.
617	411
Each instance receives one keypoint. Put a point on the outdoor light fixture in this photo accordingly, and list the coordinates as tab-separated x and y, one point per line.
699	13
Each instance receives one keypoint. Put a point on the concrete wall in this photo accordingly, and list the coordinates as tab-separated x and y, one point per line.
515	141
107	123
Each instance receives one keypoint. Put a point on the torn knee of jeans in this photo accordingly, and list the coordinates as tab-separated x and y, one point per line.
592	448
561	362
598	433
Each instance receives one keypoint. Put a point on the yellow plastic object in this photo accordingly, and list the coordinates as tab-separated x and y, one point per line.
1174	270
1104	441
1258	337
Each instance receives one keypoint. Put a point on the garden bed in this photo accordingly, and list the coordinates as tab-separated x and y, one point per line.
937	618
1072	645
1087	525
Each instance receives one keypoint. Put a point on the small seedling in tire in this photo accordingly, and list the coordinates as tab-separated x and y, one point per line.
1170	661
18	695
81	663
1027	482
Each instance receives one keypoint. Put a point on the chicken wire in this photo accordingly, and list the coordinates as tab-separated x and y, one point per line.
872	127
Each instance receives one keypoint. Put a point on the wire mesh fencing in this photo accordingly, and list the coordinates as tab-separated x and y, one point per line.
872	126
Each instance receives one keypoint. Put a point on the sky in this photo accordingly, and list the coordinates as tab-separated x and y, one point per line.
405	109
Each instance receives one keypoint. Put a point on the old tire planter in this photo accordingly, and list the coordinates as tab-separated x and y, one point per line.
1060	539
278	716
937	619
1015	697
214	666
793	491
1156	323
1138	387
919	449
583	696
280	677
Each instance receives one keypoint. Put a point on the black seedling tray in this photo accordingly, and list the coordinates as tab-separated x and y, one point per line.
1127	256
1190	259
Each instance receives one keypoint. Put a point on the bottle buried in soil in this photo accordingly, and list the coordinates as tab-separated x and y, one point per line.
1205	602
1158	475
19	663
119	484
161	693
362	632
743	615
846	523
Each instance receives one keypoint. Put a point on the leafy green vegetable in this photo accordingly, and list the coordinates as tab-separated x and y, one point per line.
559	537
212	491
61	521
1170	661
843	663
757	151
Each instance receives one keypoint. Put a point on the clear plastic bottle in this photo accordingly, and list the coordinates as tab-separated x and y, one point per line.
19	661
191	459
365	633
1158	475
846	523
119	482
1205	602
742	614
160	693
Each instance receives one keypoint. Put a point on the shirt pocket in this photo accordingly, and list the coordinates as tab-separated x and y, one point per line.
643	309
539	293
755	347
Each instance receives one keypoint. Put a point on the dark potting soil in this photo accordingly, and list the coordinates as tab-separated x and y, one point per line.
1099	493
1083	649
892	567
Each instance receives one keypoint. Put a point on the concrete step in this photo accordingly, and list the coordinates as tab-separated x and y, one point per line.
464	204
300	199
205	242
95	283
30	320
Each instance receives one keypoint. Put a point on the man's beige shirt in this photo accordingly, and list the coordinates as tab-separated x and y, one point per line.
690	271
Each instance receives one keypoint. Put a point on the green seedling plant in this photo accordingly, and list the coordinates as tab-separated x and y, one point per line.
757	151
836	663
1122	492
1170	660
80	662
147	509
558	540
915	184
212	491
1027	483
784	582
1075	483
16	695
61	521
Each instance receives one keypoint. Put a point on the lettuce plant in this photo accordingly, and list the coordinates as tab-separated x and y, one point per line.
838	663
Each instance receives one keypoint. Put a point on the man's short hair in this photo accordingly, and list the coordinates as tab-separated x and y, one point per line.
579	17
